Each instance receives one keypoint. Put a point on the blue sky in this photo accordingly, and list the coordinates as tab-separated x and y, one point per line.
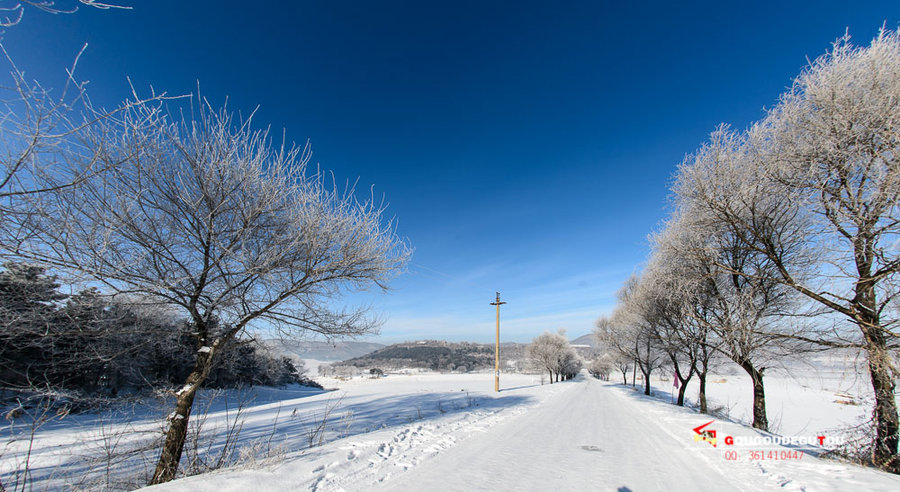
524	147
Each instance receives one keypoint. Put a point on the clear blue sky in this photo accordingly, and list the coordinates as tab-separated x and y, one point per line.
523	146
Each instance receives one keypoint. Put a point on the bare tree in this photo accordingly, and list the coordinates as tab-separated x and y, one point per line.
681	281
41	154
833	143
548	352
745	302
707	347
41	127
570	364
657	299
600	368
12	12
621	360
814	190
630	333
621	363
42	151
203	215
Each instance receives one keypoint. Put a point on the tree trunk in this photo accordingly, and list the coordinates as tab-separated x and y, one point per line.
646	382
681	391
701	398
170	457
633	373
760	421
167	466
884	451
701	374
625	377
682	380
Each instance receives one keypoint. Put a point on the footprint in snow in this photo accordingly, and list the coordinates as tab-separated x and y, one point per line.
401	436
385	450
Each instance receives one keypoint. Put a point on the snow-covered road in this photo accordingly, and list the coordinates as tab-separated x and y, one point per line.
589	437
578	435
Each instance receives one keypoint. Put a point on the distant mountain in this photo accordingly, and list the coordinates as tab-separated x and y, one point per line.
324	351
588	339
436	355
586	346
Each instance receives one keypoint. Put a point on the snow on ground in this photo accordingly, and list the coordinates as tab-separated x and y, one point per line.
282	421
399	421
753	466
823	395
579	435
74	451
452	432
312	366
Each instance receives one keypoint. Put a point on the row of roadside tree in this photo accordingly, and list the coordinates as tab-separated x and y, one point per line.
552	352
783	238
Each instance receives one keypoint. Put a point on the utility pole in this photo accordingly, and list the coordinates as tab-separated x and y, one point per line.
497	346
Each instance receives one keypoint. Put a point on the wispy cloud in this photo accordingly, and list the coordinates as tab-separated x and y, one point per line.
438	303
482	329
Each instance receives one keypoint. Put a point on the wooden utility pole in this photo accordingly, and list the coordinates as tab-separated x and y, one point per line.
497	346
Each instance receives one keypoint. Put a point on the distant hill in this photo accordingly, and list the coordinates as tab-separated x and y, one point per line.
324	351
588	339
587	346
435	355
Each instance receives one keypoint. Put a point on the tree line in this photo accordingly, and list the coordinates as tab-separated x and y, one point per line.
553	353
433	355
86	348
783	238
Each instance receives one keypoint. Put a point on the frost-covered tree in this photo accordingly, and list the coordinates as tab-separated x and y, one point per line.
27	310
206	217
813	190
743	302
42	150
47	346
12	11
620	361
549	352
570	363
600	368
682	285
833	145
657	301
631	334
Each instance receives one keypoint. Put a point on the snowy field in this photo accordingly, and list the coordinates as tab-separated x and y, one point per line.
277	425
452	432
825	394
